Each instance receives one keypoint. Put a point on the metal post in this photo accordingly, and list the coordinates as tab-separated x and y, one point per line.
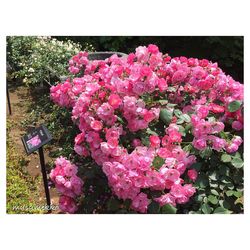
45	181
8	98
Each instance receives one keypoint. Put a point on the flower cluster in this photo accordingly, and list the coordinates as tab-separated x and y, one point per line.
65	178
116	102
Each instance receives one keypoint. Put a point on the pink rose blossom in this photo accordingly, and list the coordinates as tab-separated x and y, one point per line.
192	174
237	125
154	141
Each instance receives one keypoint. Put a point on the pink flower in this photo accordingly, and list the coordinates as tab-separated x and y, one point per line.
199	72
163	152
216	108
200	143
142	53
79	138
203	128
96	125
202	111
217	143
192	174
65	178
237	140
172	175
162	85
140	203
74	70
67	204
154	141
217	127
153	49
231	147
189	190
115	101
166	199
177	191
174	136
179	76
136	143
237	125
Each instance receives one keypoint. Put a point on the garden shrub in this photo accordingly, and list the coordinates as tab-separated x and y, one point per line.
166	132
39	59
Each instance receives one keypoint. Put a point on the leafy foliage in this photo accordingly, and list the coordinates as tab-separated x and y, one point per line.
40	59
219	186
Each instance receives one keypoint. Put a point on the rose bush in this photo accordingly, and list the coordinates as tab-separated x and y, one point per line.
158	127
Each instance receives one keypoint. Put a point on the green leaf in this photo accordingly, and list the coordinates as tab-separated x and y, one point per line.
171	89
234	106
199	197
188	148
180	121
177	113
168	209
221	210
237	162
163	102
213	176
202	181
213	184
224	170
222	187
230	186
120	120
230	193
150	132
226	158
224	204
212	199
206	153
171	105
206	209
213	191
185	117
158	162
154	207
238	194
197	166
166	116
226	180
145	141
182	130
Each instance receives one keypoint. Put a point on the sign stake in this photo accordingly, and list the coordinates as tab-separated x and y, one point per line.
35	140
8	98
45	181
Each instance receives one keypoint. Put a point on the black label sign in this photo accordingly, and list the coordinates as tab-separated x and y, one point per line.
36	139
